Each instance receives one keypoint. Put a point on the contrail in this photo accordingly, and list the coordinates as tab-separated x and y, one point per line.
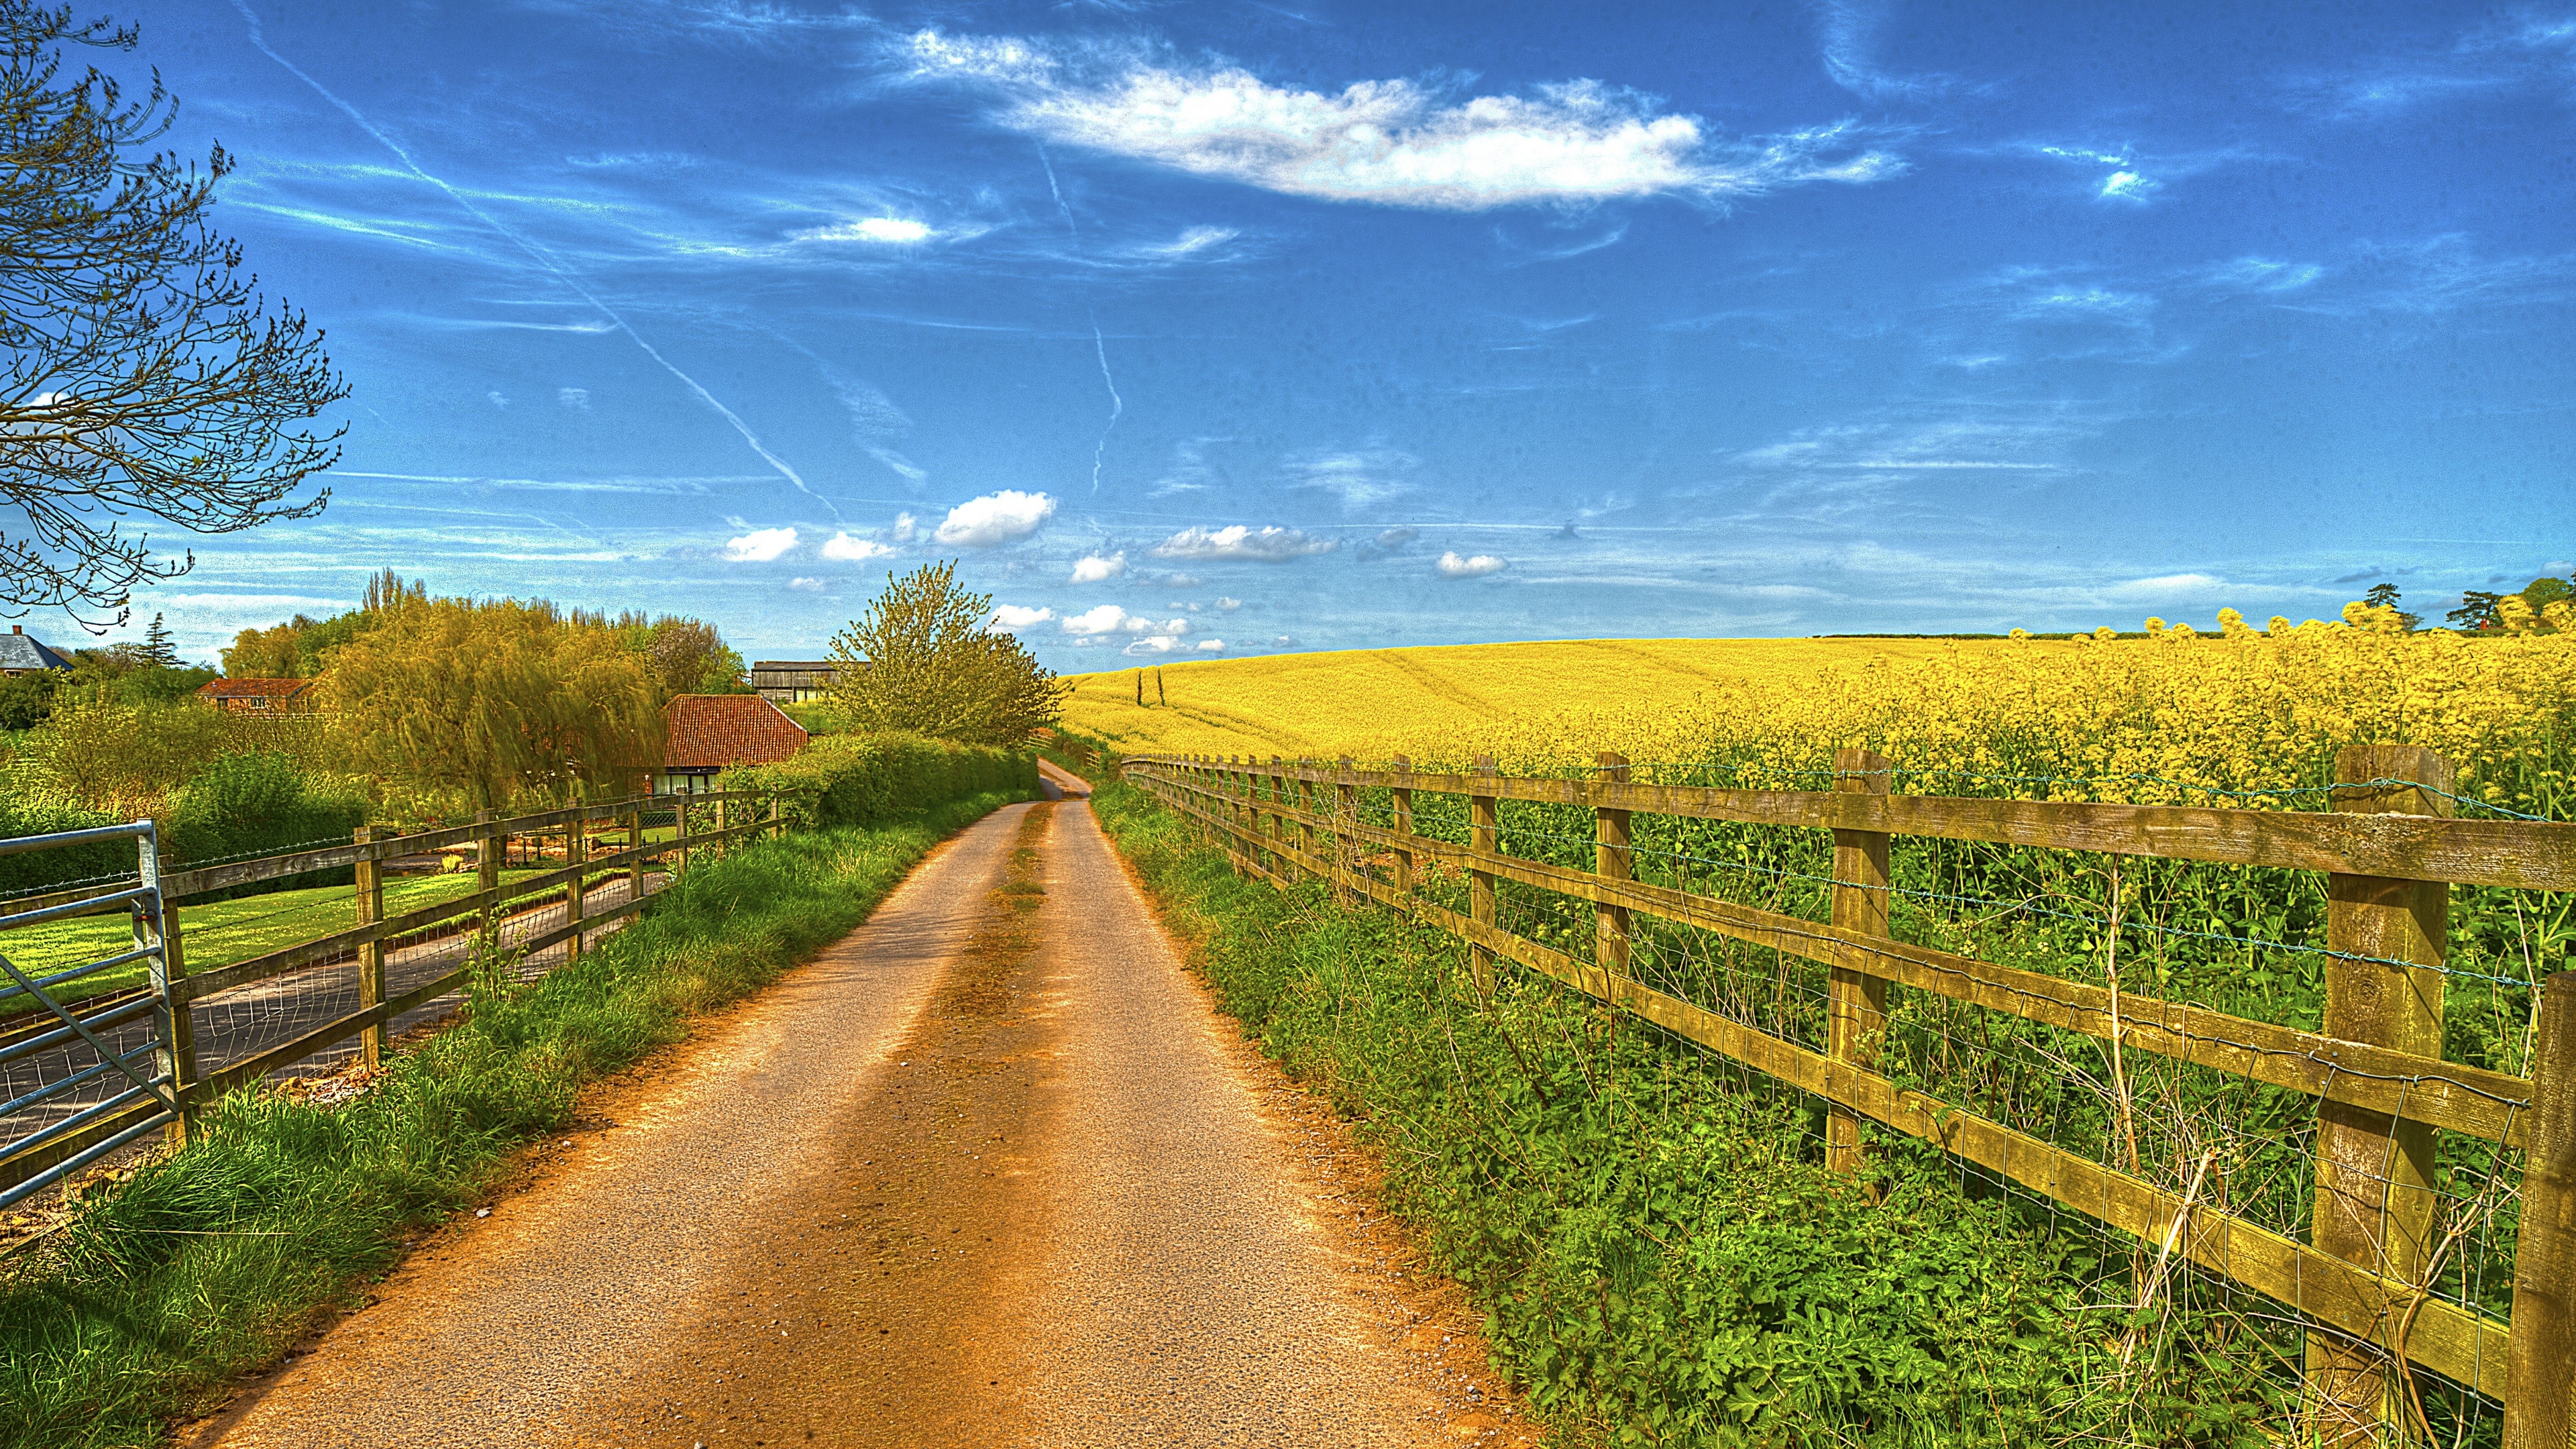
542	257
1117	404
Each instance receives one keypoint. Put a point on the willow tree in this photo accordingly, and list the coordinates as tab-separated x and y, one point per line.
924	657
142	373
483	704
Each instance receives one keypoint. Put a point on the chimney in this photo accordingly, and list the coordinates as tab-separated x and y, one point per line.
17	628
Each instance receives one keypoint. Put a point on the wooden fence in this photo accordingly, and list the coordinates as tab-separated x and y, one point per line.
174	989
2391	851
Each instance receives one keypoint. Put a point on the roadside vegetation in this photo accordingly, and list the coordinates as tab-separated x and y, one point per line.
154	1292
1658	1249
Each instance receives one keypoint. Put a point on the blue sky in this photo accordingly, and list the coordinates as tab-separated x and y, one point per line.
1246	327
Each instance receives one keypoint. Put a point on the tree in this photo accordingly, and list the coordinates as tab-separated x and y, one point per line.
158	651
478	705
924	657
141	371
2385	596
687	656
2477	611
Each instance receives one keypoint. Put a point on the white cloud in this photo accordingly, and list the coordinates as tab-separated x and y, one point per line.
995	518
1111	619
575	398
2168	584
495	398
1358	476
1395	142
2262	274
1223	602
853	550
1191	242
1267	545
1015	616
1211	646
906	528
885	230
760	545
1101	619
1159	644
806	586
1092	568
2126	186
1454	567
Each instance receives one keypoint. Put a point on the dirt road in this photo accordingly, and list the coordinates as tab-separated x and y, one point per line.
989	1171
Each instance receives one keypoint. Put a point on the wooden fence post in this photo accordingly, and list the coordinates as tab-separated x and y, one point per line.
724	818
2540	1402
2375	1199
1346	840
1275	797
1613	859
1308	799
159	926
680	830
777	821
1483	829
488	845
371	954
1403	799
635	842
1855	1002
576	890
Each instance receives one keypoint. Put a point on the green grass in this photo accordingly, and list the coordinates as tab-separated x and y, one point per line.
216	933
210	1261
1660	1254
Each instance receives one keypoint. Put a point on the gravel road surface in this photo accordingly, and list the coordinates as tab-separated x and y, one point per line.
988	1171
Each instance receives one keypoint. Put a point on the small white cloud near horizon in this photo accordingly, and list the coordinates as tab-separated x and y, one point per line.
1396	142
1105	619
906	528
995	519
495	398
1454	567
2127	186
806	586
1236	541
1211	646
575	398
845	549
1013	617
1223	602
760	545
1092	568
883	230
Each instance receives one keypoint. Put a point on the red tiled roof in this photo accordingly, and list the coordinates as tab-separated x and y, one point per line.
727	729
253	688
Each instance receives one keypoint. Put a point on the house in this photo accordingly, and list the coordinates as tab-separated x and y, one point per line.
20	653
794	681
276	694
706	733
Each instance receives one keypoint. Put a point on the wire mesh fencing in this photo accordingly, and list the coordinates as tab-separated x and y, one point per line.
235	988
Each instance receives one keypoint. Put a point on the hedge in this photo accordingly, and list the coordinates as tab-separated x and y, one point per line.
862	779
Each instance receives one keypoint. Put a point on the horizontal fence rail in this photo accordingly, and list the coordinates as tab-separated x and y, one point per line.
2380	1087
84	1073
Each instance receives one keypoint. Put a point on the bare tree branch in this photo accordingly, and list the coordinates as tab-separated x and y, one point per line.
141	371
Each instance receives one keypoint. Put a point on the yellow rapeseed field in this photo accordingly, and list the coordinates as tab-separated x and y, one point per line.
1451	698
2167	718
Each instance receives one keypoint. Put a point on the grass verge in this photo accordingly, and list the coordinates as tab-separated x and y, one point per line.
211	1260
1660	1254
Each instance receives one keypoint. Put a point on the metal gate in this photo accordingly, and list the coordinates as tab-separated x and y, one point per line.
75	1088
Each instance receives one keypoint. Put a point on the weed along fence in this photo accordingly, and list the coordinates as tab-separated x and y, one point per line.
124	1007
2070	997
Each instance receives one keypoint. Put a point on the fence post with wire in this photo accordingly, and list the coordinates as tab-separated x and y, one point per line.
2364	1230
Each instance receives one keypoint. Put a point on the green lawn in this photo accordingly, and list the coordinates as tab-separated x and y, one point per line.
217	933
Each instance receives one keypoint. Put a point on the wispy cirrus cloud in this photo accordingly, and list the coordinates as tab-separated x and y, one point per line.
1389	142
1359	477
